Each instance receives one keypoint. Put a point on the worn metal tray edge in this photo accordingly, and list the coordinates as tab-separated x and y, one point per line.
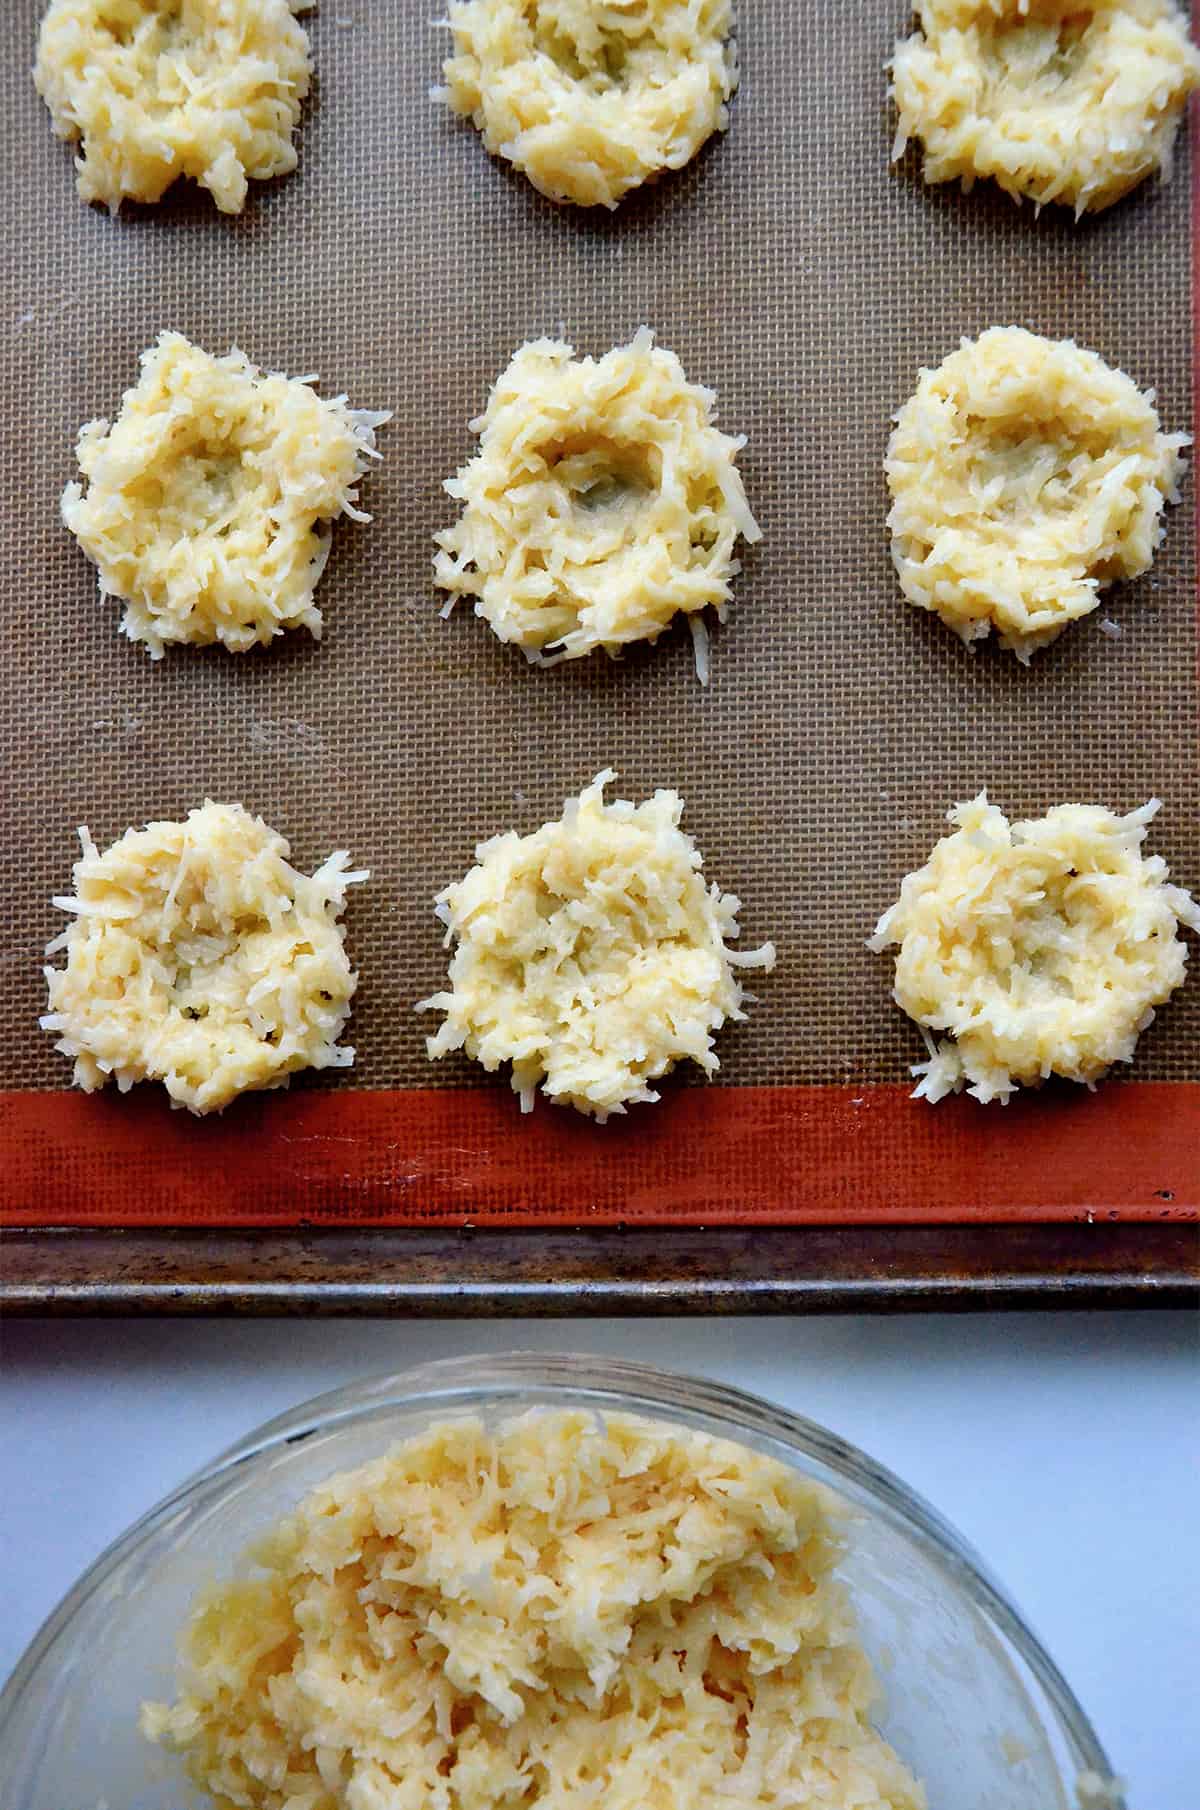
478	1274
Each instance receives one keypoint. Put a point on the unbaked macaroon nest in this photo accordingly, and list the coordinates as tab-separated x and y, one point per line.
1052	99
157	89
591	954
1041	948
1025	474
206	496
591	101
201	958
602	502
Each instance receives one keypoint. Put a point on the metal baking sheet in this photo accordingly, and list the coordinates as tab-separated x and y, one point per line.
806	279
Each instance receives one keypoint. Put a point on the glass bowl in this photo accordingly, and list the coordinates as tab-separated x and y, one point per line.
972	1702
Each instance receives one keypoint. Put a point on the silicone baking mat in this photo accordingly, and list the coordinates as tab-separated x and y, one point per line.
806	279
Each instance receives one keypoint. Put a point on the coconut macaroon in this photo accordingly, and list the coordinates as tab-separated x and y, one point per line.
1051	99
591	954
1041	948
564	1609
201	958
207	495
591	101
1025	474
157	89
602	502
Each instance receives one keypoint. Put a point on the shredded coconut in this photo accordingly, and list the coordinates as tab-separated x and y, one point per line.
1026	474
592	101
552	1614
157	89
200	957
1051	99
1040	947
205	496
602	502
590	955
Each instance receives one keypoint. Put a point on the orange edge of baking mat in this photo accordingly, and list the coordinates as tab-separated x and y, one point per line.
743	1155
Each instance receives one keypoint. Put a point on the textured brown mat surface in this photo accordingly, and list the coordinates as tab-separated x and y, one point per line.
791	269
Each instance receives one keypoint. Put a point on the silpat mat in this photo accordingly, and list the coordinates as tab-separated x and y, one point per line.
803	277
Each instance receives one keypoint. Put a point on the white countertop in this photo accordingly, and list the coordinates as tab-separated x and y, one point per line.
1063	1446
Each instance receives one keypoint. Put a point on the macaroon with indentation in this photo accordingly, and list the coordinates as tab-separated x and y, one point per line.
591	101
152	90
198	956
206	503
603	501
1032	949
591	955
1052	99
1026	475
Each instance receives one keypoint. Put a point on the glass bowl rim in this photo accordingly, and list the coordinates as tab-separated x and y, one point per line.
618	1384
